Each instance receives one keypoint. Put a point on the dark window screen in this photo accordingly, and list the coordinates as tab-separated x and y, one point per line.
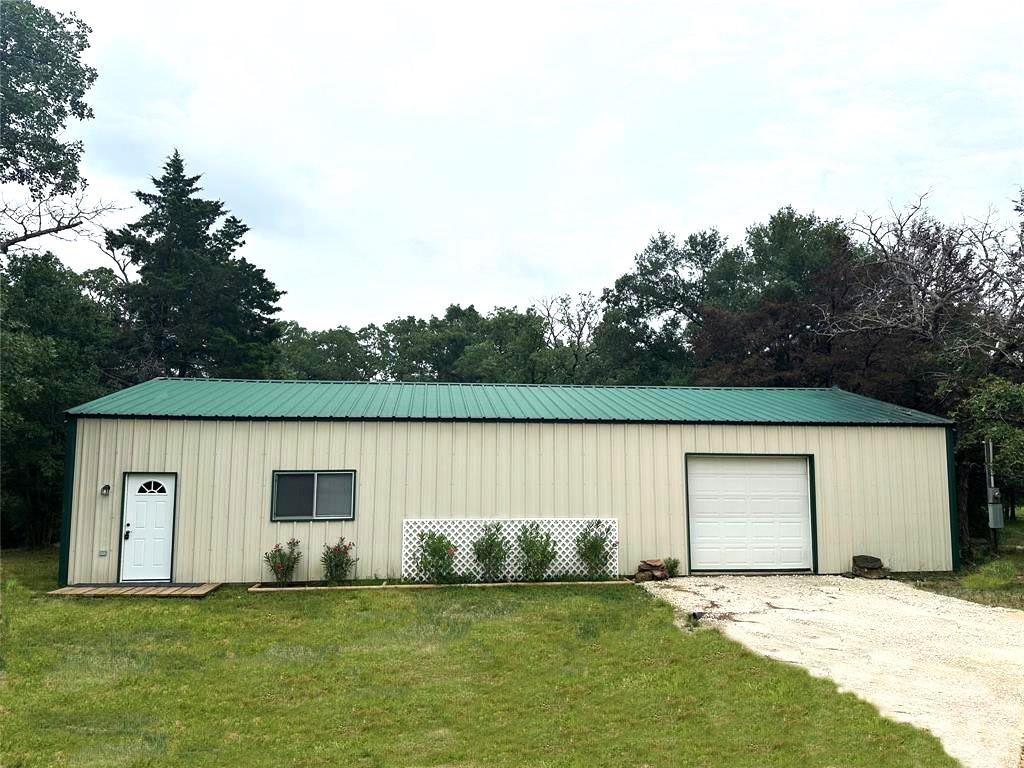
293	496
334	495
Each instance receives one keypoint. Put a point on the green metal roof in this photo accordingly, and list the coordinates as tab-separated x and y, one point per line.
251	399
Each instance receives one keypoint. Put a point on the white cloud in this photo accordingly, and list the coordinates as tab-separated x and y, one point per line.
394	157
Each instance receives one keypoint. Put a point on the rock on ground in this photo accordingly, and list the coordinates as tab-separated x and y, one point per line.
952	667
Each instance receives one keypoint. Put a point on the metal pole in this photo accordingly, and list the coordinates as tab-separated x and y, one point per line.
995	508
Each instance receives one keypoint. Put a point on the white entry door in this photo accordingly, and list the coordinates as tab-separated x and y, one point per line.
147	531
749	513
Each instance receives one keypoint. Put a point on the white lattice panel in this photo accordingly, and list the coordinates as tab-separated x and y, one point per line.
462	533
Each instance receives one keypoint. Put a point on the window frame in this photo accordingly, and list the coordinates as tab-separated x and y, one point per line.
313	517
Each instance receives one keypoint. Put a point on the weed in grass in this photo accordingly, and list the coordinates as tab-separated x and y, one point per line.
996	574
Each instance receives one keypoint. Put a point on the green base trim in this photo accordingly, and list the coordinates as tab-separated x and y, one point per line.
70	443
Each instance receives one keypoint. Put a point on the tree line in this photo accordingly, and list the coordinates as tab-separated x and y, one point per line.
905	307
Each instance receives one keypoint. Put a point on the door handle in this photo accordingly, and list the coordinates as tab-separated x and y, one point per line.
127	534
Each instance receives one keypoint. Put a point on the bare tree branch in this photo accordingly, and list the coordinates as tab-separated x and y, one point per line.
958	287
60	216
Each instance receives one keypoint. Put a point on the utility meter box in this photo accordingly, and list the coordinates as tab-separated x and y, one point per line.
995	508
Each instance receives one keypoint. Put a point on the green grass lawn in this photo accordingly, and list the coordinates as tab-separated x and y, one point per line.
999	581
518	676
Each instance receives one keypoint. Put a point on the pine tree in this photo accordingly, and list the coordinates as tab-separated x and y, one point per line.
197	308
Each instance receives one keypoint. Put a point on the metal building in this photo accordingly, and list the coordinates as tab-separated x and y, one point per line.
192	480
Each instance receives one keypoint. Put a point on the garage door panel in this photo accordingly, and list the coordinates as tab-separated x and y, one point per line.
749	513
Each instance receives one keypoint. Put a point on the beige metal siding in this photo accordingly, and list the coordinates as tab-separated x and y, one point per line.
880	490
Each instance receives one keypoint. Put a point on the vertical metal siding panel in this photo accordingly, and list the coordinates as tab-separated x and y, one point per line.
896	499
573	492
234	551
412	497
617	469
84	566
603	474
104	470
170	461
898	504
125	462
428	492
843	496
106	509
809	442
875	532
460	467
315	437
546	477
561	464
488	469
660	486
632	506
81	553
368	508
534	469
939	517
912	555
206	489
271	533
676	506
389	493
518	495
445	468
188	491
256	503
648	539
216	516
227	488
471	477
344	445
588	464
938	446
925	544
505	460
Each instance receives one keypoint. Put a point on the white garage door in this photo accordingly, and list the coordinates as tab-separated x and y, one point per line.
749	513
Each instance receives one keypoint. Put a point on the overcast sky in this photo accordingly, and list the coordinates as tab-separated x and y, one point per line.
392	159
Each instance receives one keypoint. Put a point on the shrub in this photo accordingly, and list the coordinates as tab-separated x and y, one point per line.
593	545
338	561
491	551
437	557
538	551
672	566
282	560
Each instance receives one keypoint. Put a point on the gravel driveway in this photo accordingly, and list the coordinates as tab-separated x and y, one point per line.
952	667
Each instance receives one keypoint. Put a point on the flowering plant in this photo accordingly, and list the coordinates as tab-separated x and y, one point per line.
282	560
338	561
437	557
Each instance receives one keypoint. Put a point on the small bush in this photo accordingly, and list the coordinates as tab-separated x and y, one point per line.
437	557
594	546
282	561
538	551
996	574
491	551
672	566
338	561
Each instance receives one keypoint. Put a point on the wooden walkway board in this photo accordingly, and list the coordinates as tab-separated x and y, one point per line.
137	590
